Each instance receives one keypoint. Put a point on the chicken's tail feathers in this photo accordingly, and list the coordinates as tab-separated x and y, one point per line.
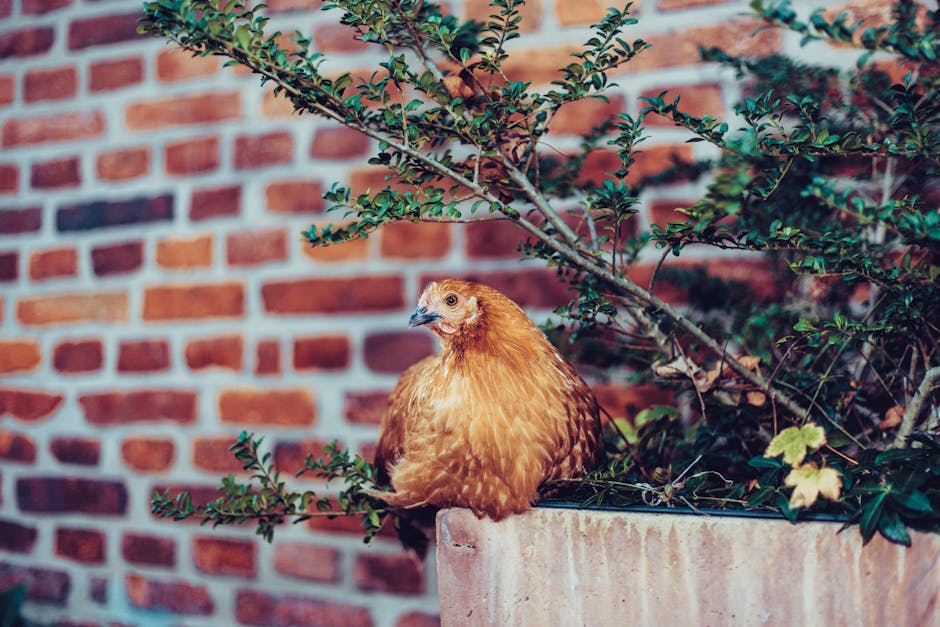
416	529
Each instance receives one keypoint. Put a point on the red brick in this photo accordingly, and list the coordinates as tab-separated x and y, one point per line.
16	221
148	454
213	203
337	38
365	407
28	405
339	142
353	250
58	127
262	150
148	550
676	48
268	610
582	12
50	84
56	174
71	495
98	590
16	447
7	89
178	253
80	451
143	356
97	214
190	302
267	407
599	165
276	106
216	556
307	561
492	239
26	42
322	353
117	258
176	596
193	156
99	31
114	74
196	109
19	356
53	263
531	13
579	117
200	495
80	545
288	6
678	5
134	406
40	7
418	619
16	538
123	165
538	288
330	296
294	197
394	352
268	357
413	240
395	574
9	178
78	356
175	64
43	585
217	352
213	455
665	211
696	100
9	266
70	308
251	248
291	456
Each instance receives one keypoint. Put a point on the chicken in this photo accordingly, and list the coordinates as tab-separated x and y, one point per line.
490	419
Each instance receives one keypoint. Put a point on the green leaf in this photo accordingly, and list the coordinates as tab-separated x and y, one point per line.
794	442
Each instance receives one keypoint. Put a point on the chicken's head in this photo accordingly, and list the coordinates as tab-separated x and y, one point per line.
447	307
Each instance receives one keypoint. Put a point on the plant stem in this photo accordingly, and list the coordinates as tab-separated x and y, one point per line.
930	382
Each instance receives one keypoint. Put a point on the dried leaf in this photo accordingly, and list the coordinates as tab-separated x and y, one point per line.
459	86
892	418
755	398
810	481
793	442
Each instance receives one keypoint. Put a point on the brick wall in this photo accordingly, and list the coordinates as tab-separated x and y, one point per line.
156	298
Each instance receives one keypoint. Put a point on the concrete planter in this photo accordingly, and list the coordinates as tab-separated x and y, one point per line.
558	567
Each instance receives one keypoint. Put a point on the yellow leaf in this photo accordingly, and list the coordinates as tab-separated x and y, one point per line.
793	442
893	418
809	481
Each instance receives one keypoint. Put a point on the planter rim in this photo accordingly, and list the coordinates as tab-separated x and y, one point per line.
704	512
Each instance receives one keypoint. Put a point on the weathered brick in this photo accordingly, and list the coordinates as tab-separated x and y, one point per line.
28	405
189	302
251	248
43	585
268	357
346	525
16	221
394	352
580	116
134	406
17	447
581	12
196	109
41	7
77	356
9	180
80	545
100	31
365	407
282	408
696	100
600	164
287	6
294	196
148	550
80	451
16	538
269	610
538	288
53	263
26	42
176	596
148	454
123	165
412	240
114	74
531	13
330	352
50	84
117	258
181	253
19	356
193	156
69	308
330	296
395	574
492	239
71	495
255	151
56	174
105	213
9	266
216	556
7	89
309	562
339	142
151	355
678	5
418	619
276	106
217	352
353	250
175	64
59	127
289	456
200	494
98	590
677	48
214	203
212	454
337	38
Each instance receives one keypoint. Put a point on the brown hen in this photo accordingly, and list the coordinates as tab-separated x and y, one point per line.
491	418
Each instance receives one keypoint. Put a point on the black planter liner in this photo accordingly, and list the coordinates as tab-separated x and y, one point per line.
732	513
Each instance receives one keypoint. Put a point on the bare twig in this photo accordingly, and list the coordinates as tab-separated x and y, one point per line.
928	384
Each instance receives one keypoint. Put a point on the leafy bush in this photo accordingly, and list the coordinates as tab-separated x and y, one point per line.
827	176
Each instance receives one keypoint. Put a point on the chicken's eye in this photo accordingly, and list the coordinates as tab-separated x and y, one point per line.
450	300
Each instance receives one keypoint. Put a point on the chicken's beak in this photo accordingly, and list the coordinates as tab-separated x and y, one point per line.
423	316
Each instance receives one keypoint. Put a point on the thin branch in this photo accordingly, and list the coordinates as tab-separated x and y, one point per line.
928	384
